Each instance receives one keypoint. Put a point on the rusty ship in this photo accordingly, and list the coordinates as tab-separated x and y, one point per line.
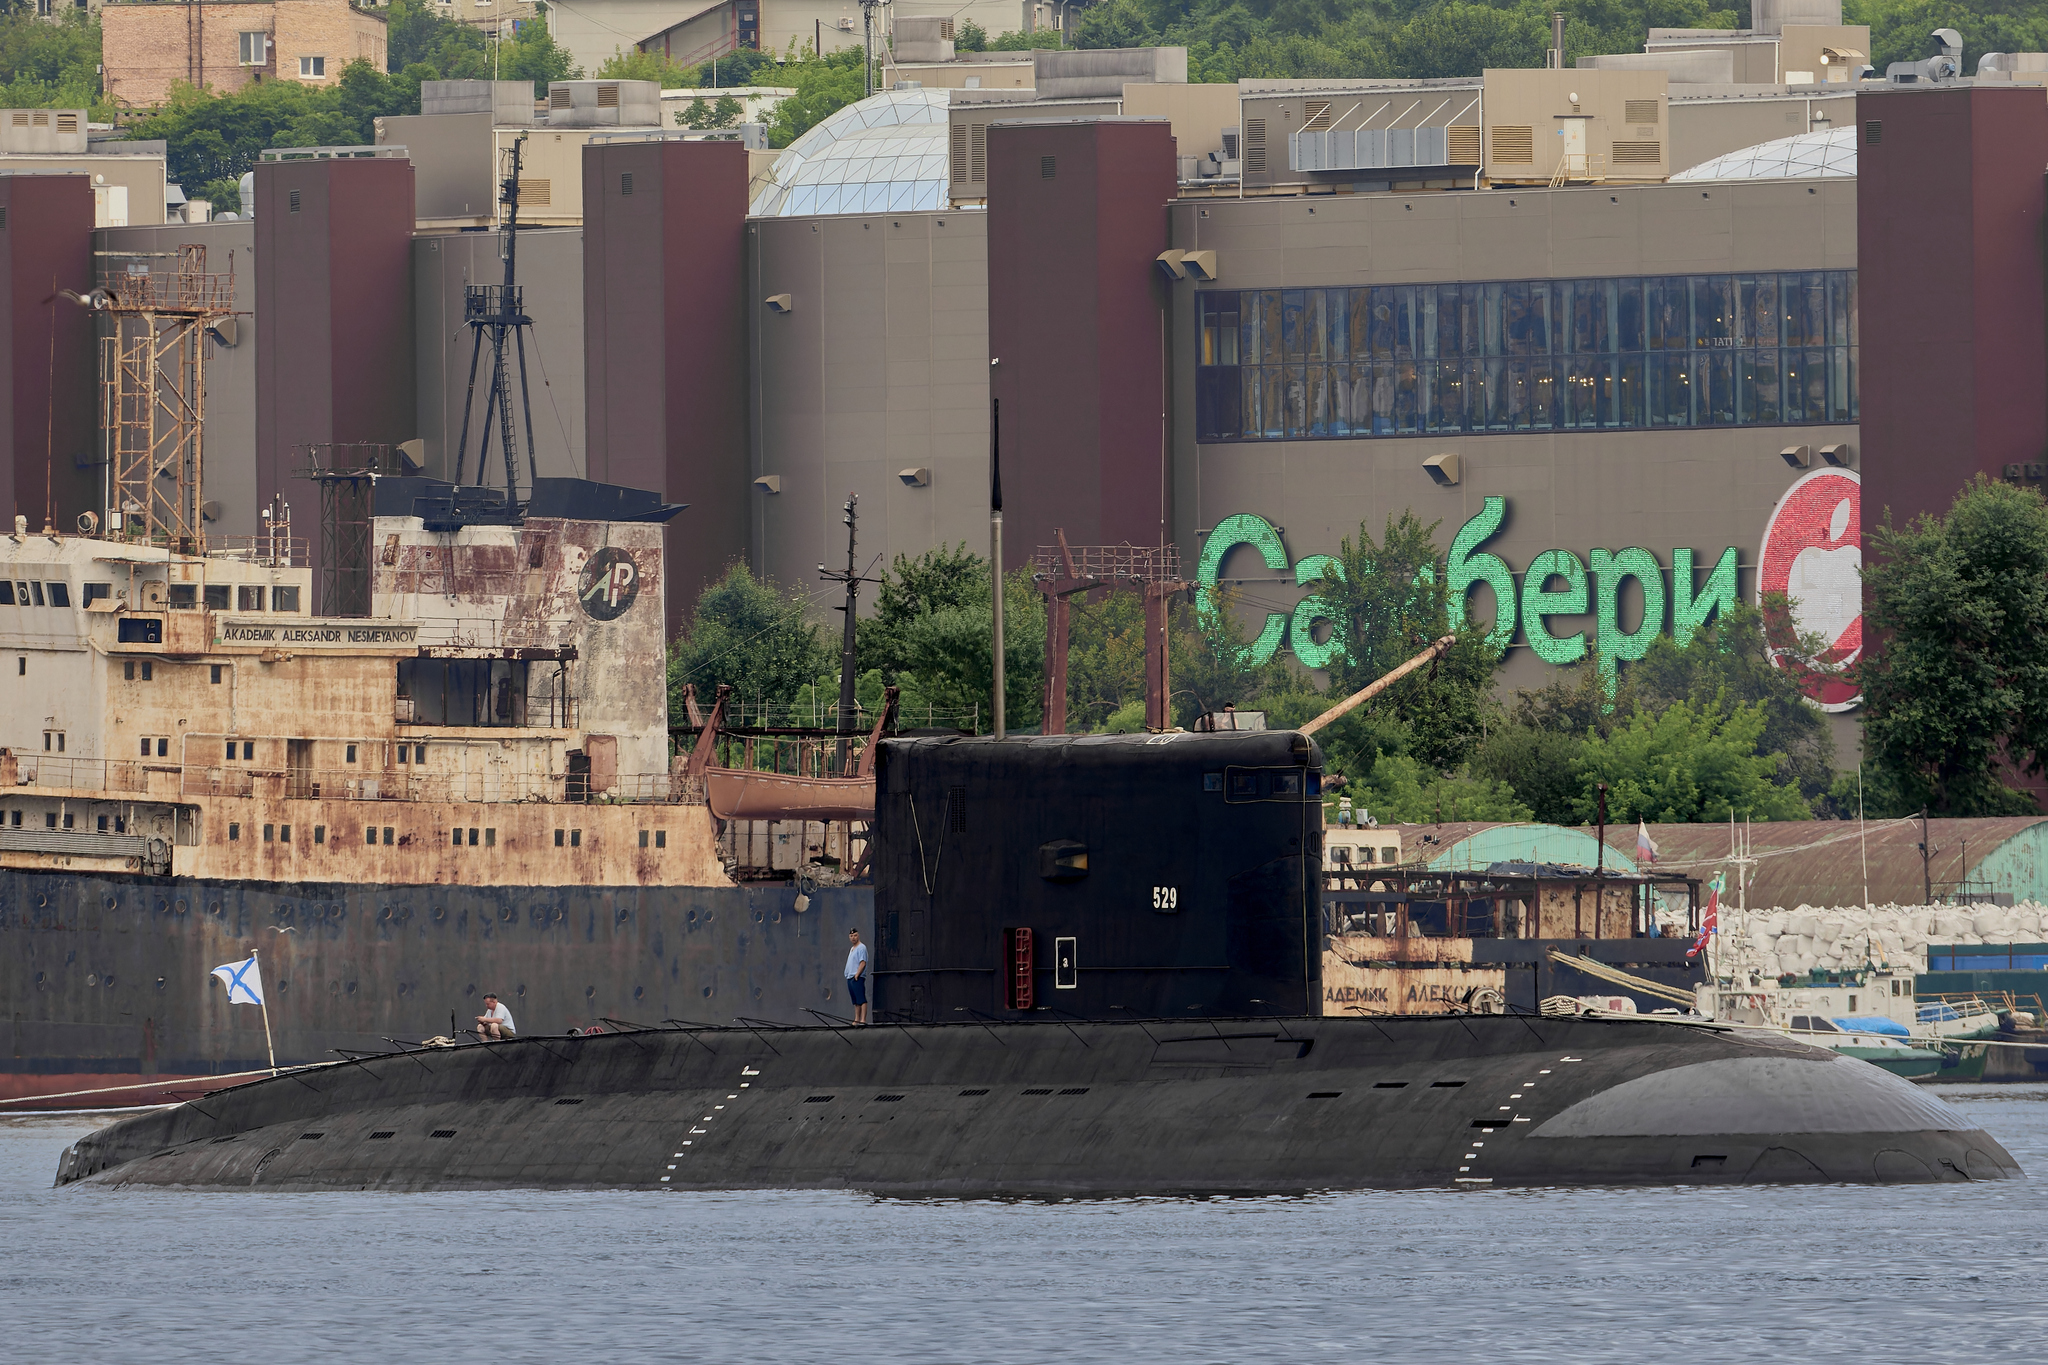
458	779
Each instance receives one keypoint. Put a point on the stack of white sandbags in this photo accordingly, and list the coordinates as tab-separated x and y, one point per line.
1777	942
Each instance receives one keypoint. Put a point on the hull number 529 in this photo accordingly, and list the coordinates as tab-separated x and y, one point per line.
1166	898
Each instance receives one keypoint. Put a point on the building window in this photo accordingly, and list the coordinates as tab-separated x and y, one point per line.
558	838
234	831
419	753
145	746
216	596
102	824
643	838
60	594
217	671
248	599
94	592
37	589
163	746
253	48
284	834
455	838
1527	355
148	671
575	838
268	832
49	819
369	834
661	838
284	599
312	66
69	818
490	838
388	839
17	819
128	671
351	753
319	834
472	838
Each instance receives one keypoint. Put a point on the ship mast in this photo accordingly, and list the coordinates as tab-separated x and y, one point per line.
499	311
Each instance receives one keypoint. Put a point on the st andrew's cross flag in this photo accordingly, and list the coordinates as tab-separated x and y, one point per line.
244	982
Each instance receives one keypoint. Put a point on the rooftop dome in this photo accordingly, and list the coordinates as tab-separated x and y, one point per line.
885	154
1803	156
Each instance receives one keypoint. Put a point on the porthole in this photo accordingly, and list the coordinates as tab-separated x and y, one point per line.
159	983
92	978
639	992
590	992
181	907
108	902
108	981
214	908
519	991
440	913
707	992
351	988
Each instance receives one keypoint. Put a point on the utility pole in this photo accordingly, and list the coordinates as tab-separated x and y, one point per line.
1600	853
1926	856
852	580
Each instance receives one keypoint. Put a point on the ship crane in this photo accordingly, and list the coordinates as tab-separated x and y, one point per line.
499	312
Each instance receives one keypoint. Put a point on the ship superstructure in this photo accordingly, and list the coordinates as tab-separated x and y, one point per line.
466	785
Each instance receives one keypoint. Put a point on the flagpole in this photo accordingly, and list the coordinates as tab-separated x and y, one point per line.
263	1003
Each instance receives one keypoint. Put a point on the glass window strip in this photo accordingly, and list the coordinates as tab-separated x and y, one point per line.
1757	349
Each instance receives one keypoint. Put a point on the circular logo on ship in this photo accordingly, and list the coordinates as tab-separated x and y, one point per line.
611	580
1813	554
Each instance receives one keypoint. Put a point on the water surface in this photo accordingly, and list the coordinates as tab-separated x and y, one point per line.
1784	1276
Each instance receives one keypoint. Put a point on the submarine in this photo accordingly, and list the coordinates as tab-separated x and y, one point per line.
1097	972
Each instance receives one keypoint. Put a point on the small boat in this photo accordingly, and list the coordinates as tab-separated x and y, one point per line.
755	794
1879	1046
743	794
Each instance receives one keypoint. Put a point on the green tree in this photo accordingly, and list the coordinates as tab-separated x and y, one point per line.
726	113
532	55
932	632
1385	601
642	65
1957	688
47	63
823	85
749	633
417	34
1731	657
1685	764
1401	789
970	37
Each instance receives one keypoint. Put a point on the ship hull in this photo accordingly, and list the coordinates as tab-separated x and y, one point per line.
109	1001
1055	1108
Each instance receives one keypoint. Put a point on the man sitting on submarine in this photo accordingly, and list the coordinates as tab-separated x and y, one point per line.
495	1023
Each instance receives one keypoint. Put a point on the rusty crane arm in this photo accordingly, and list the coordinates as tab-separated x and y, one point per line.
1378	685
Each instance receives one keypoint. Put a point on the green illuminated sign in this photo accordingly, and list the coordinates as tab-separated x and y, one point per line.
1558	583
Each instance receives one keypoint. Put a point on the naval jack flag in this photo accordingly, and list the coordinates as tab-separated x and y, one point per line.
245	987
1710	920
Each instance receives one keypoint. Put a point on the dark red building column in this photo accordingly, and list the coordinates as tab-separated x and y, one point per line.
334	337
1076	318
48	442
665	336
1950	211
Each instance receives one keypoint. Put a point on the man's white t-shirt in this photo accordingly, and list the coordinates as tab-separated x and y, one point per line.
502	1015
856	959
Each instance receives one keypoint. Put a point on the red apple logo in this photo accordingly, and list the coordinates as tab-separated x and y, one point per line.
1813	553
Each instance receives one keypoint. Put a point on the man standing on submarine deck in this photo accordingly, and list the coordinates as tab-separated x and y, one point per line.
857	975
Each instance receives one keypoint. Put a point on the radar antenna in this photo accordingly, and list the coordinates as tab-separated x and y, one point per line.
499	310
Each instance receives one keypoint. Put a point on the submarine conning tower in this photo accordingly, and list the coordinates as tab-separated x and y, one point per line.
1149	876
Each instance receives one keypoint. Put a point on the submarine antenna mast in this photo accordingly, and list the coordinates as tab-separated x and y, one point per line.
995	543
499	310
847	663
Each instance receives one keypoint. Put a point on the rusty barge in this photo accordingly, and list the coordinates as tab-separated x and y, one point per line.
457	779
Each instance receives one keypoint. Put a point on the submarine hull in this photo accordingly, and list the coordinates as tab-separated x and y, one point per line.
1053	1108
